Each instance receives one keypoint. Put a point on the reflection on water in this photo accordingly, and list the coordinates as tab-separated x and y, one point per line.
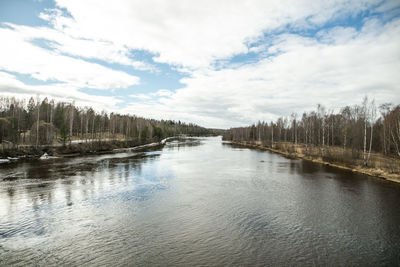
195	202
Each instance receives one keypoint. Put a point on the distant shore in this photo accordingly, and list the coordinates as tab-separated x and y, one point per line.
375	172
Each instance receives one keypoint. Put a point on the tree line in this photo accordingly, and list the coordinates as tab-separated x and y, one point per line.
39	122
356	130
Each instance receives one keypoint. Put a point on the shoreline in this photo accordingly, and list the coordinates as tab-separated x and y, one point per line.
377	173
79	149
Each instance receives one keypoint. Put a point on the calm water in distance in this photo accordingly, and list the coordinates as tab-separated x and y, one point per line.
200	202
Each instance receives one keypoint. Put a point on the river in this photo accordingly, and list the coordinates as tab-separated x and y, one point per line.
195	202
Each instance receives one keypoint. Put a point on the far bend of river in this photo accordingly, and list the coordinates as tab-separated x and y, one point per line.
200	202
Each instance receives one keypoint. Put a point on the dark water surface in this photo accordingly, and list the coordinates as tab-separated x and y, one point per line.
195	203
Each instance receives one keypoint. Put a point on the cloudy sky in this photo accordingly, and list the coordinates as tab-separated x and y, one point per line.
215	63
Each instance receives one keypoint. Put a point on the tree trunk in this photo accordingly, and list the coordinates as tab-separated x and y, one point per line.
37	124
87	126
365	142
51	124
323	139
71	124
370	144
272	136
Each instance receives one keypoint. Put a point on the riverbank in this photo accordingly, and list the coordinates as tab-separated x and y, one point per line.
79	149
297	152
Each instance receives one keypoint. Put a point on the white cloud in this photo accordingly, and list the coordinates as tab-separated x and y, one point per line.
140	96
157	94
292	72
305	72
19	55
11	86
163	92
193	34
64	44
160	95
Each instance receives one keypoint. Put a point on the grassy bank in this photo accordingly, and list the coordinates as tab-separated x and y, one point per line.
379	166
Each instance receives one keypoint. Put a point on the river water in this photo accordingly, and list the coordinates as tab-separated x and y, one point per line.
197	202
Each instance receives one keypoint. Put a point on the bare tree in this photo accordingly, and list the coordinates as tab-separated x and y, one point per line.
38	119
371	121
321	116
272	134
385	111
294	122
71	122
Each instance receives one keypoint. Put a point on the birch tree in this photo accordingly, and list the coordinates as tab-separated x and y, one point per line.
371	121
321	117
71	122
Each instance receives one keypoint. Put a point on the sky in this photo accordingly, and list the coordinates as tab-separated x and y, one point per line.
218	64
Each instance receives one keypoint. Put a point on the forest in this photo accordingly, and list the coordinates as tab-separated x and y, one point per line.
364	135
360	135
37	123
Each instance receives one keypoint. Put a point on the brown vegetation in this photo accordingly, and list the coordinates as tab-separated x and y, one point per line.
381	166
353	139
